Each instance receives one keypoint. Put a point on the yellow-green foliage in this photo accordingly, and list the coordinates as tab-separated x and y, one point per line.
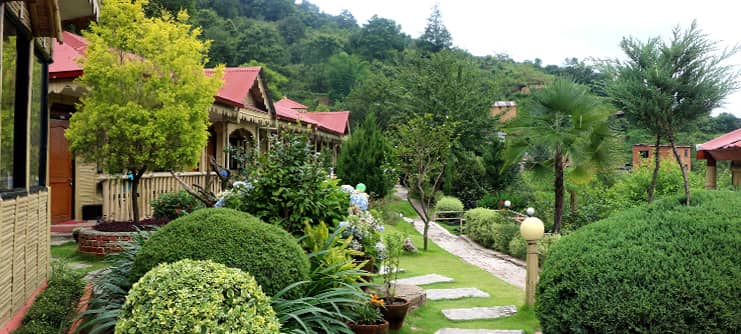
197	297
148	97
449	203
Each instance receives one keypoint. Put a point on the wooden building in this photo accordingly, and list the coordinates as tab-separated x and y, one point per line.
726	147
242	116
504	110
27	46
643	155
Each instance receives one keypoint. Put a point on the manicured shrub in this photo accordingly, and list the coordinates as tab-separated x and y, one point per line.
196	297
479	225
230	237
518	246
659	268
51	311
449	203
503	233
175	204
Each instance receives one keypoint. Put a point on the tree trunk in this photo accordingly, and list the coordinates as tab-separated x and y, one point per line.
572	201
656	170
559	189
427	228
684	171
135	194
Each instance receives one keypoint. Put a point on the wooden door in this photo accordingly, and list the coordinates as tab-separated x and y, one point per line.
60	172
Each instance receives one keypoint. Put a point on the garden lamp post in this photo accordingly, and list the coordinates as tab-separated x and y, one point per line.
532	230
507	204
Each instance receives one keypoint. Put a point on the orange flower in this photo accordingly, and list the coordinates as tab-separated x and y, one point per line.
375	300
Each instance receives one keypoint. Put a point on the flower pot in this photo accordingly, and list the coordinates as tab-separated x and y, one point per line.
370	329
395	310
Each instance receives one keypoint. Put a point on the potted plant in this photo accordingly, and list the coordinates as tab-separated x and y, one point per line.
365	229
395	308
367	318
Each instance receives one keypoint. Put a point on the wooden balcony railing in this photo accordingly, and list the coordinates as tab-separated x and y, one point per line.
117	192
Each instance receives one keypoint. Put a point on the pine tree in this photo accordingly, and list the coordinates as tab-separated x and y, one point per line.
436	37
365	159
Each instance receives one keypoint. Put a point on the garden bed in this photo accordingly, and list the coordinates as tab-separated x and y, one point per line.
100	243
129	226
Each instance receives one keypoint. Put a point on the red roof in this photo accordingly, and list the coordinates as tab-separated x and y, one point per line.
285	102
237	80
65	57
725	147
333	121
237	84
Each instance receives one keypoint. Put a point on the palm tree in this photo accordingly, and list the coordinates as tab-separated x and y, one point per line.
570	124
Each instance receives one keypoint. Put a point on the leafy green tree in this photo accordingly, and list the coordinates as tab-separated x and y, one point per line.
292	29
436	37
377	94
379	39
155	7
342	73
571	125
666	85
422	147
147	102
366	157
275	80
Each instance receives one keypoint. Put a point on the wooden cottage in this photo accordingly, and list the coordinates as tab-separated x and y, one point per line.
242	116
27	45
726	147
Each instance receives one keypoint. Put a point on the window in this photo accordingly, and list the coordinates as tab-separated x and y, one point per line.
686	152
8	141
644	154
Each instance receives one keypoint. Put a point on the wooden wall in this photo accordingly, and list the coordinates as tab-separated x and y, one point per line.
24	249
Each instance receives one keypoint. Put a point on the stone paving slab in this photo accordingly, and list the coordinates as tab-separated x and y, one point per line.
476	313
383	270
439	294
424	279
478	331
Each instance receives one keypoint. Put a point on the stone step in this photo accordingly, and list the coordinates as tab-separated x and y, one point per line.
478	331
60	238
439	294
476	313
424	279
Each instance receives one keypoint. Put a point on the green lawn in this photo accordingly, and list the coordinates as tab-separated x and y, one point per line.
429	318
68	252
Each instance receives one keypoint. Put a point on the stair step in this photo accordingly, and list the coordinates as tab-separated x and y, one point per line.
457	293
424	279
476	313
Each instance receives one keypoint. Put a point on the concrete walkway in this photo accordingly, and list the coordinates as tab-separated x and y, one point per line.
468	251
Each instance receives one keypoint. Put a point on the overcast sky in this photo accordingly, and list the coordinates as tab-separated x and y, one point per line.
555	30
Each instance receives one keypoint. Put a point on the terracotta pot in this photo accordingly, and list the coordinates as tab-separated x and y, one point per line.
395	310
370	329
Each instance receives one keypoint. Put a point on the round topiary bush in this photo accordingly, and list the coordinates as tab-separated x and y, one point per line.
196	297
659	268
449	203
230	237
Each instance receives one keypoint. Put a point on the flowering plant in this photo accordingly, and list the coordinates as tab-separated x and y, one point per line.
365	227
368	313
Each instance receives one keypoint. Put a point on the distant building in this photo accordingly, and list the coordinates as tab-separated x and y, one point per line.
643	155
504	110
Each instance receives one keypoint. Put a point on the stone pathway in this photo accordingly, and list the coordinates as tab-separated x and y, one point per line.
424	280
469	252
478	331
476	313
457	293
500	266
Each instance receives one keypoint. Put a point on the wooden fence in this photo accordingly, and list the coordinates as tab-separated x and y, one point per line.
117	192
24	249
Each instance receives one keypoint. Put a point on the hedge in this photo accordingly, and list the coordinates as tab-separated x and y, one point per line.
230	237
196	297
659	268
449	203
52	310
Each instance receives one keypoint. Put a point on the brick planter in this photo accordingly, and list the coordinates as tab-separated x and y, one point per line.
101	243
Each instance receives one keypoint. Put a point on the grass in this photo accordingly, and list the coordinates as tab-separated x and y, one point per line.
67	252
429	318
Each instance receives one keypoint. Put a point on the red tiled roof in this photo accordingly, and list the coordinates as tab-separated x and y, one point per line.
237	84
285	102
333	121
725	147
65	57
237	80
